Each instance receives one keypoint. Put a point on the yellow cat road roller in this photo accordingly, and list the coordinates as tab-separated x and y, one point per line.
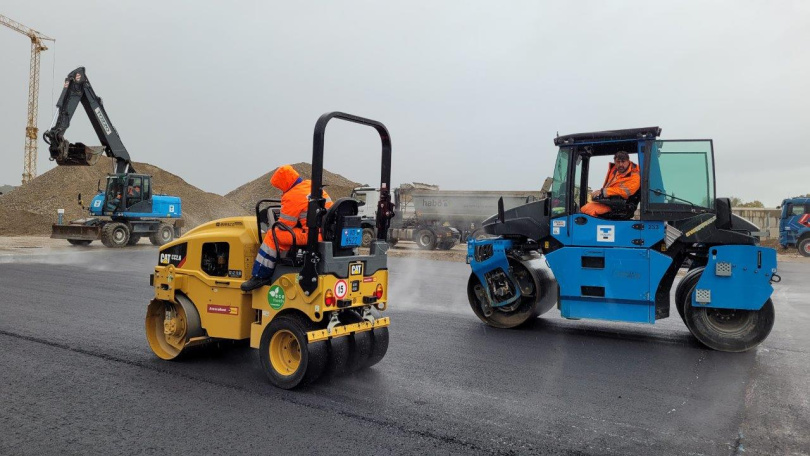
319	314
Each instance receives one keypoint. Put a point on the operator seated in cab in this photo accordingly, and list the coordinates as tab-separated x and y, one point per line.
294	202
623	179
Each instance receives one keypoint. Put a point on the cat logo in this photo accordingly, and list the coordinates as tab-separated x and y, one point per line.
357	269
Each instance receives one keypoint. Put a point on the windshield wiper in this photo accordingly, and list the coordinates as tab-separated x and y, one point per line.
663	193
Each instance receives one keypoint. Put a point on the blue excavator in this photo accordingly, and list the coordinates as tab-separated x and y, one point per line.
128	207
621	266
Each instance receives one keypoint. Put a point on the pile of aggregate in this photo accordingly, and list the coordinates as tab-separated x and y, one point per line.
246	196
31	209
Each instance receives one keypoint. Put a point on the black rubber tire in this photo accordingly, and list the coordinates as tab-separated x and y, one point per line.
314	356
339	355
360	343
447	245
115	235
687	283
368	237
133	239
425	239
804	247
163	235
79	242
752	327
379	346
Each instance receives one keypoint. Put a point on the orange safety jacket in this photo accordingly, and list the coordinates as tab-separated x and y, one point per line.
623	185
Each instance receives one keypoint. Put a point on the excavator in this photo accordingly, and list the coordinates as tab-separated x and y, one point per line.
128	208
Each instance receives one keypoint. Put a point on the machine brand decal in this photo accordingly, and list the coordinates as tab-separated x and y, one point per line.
276	297
701	226
605	233
237	273
341	288
559	223
356	269
369	279
434	203
224	310
102	120
175	255
219	223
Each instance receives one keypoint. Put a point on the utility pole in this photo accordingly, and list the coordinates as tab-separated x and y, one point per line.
31	131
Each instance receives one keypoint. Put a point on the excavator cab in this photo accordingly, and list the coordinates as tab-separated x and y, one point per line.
320	313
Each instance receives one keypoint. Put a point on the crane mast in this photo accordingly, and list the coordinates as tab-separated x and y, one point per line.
31	131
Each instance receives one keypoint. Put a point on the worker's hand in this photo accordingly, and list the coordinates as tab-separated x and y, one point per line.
596	193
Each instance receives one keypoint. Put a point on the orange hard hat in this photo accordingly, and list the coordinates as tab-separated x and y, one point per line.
284	178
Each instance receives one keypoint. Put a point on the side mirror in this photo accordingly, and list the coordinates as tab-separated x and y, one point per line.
723	208
501	217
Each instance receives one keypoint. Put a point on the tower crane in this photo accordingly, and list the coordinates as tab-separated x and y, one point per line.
37	46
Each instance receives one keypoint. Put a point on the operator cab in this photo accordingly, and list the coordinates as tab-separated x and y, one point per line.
677	176
128	193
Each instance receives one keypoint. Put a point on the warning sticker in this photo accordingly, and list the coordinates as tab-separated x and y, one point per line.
276	297
369	279
558	223
341	288
225	310
555	230
605	233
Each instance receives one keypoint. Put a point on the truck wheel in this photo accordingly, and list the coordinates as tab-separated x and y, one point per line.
368	237
163	235
729	330
681	292
426	239
115	235
133	239
804	247
447	245
286	356
79	242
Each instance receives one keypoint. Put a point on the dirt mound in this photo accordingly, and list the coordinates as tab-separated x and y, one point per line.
31	209
246	196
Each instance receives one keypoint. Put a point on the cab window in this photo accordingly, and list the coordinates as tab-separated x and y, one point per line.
559	190
214	260
681	173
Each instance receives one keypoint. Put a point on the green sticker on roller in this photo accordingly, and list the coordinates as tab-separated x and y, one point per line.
275	297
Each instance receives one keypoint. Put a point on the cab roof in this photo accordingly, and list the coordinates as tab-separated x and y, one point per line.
608	135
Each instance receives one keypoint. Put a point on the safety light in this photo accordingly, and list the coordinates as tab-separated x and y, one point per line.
379	292
329	299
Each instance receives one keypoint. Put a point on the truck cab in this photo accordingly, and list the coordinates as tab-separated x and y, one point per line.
794	225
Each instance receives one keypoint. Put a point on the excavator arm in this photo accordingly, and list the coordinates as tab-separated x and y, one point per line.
77	90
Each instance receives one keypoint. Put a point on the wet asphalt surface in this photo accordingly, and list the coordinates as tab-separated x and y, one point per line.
77	377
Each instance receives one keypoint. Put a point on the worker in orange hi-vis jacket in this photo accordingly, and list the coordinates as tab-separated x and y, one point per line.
294	203
622	179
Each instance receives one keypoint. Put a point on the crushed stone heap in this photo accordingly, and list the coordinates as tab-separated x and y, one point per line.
246	196
31	209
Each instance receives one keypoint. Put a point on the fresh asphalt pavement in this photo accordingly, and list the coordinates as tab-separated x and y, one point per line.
77	377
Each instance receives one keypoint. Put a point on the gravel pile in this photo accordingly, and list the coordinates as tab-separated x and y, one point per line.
246	196
31	209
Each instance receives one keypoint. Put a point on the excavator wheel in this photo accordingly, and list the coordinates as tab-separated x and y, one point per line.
163	235
728	330
170	326
287	358
115	235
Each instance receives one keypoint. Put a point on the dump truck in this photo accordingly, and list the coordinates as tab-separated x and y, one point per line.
434	218
321	311
128	207
621	266
794	224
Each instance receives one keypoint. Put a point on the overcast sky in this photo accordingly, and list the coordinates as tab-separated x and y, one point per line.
472	92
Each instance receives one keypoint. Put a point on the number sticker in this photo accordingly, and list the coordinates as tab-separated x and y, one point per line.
340	289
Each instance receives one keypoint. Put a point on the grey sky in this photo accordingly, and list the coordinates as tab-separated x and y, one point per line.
472	92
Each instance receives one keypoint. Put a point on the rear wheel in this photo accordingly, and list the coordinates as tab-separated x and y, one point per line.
804	247
169	326
79	242
426	239
115	235
368	237
286	356
360	343
163	235
729	330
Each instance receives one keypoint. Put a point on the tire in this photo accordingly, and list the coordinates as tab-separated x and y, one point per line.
79	242
425	239
447	245
379	346
163	235
392	242
368	237
133	239
288	360
729	330
115	235
804	247
339	354
682	291
360	343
